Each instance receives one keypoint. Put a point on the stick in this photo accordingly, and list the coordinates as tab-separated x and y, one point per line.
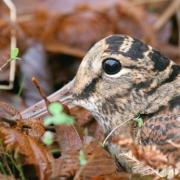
13	17
40	90
174	6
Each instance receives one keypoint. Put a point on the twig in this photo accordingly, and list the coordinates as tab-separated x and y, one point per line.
41	91
5	64
108	136
174	6
13	17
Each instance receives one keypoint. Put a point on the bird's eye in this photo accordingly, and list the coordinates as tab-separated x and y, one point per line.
111	66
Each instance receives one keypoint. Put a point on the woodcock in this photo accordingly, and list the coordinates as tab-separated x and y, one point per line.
120	78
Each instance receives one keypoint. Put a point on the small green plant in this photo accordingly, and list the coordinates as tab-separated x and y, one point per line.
82	158
14	54
22	81
10	163
47	138
139	121
57	117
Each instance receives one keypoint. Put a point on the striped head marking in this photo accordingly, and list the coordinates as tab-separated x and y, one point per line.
117	68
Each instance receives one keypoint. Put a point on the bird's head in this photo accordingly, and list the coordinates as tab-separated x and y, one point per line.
117	76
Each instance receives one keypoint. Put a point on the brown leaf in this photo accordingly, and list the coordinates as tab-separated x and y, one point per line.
34	128
33	152
68	138
87	36
149	154
9	114
7	111
99	162
67	164
82	116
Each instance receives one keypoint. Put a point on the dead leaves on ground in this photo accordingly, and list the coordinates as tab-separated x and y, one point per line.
32	152
58	24
99	163
149	154
23	138
149	160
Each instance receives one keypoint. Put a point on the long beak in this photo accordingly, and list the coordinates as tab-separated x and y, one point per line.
64	95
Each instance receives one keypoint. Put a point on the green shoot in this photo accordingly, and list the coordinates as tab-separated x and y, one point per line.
82	158
57	117
139	121
10	163
48	138
2	169
16	162
21	86
14	54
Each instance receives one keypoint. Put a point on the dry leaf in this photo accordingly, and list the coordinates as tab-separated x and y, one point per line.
32	151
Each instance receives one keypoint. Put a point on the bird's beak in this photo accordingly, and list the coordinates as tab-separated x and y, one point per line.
64	95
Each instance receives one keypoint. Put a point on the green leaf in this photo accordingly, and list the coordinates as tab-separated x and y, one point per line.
55	108
139	121
57	116
48	120
14	53
82	158
63	119
48	138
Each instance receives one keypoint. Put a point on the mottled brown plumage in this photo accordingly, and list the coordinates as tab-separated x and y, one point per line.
147	84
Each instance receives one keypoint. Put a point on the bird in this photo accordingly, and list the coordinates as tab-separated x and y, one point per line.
119	79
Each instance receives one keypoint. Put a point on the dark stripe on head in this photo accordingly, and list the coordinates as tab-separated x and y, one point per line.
160	61
114	42
175	71
174	74
137	50
89	89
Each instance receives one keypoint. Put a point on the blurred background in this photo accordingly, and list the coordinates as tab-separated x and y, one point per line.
54	35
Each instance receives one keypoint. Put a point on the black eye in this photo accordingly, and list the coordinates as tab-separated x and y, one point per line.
111	66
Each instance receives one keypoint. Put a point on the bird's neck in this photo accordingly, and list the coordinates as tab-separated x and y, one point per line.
120	114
